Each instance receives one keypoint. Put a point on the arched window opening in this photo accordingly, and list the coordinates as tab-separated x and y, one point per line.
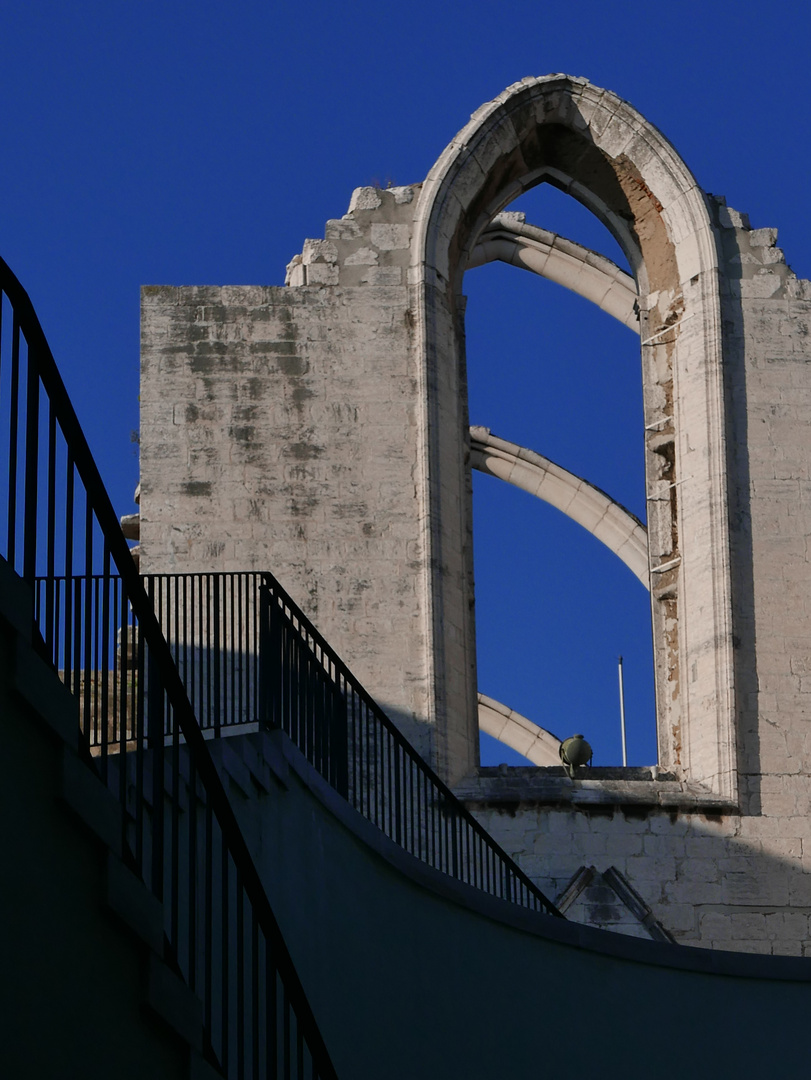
554	607
554	210
597	148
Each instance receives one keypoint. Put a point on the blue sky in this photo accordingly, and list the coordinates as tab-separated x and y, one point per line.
183	143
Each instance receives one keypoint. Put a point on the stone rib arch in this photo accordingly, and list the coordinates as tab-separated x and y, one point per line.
537	744
597	148
557	259
598	513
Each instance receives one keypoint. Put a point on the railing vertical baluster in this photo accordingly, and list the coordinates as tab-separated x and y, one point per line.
123	662
231	652
281	691
59	585
174	861
193	676
76	637
50	542
264	660
271	1014
468	853
385	747
226	959
95	668
14	407
183	643
317	712
105	658
433	829
193	889
155	731
215	615
86	654
255	1003
290	684
240	1002
69	511
455	841
306	712
171	587
301	686
377	786
316	707
253	601
439	819
140	732
250	594
31	469
286	1036
206	656
278	670
366	766
357	745
208	929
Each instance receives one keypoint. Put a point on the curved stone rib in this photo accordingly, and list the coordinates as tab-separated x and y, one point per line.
539	746
586	273
604	518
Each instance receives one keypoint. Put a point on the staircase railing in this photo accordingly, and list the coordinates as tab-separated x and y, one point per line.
97	626
248	655
309	692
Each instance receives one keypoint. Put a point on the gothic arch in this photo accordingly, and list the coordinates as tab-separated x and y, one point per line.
586	273
512	729
594	146
598	513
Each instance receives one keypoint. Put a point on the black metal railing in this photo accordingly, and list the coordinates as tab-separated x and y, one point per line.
309	692
96	625
249	655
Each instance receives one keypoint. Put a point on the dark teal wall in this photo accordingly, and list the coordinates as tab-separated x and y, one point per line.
409	976
71	981
405	983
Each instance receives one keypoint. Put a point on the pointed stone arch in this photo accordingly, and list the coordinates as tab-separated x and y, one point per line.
571	265
606	519
594	146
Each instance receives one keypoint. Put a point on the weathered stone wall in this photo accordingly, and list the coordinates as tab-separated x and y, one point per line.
319	431
733	880
729	882
286	430
279	433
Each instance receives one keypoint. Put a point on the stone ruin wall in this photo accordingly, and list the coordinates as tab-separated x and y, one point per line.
281	430
279	433
711	877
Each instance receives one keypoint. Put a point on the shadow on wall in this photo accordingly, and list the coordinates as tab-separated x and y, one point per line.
357	918
720	881
740	509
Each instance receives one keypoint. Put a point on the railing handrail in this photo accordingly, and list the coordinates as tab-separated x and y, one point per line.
98	499
422	765
205	660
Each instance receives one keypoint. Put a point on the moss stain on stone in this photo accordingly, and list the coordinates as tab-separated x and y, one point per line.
197	487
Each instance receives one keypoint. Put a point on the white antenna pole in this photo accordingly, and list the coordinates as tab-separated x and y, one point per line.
622	716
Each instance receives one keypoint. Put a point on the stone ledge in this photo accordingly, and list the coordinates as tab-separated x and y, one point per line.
598	789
